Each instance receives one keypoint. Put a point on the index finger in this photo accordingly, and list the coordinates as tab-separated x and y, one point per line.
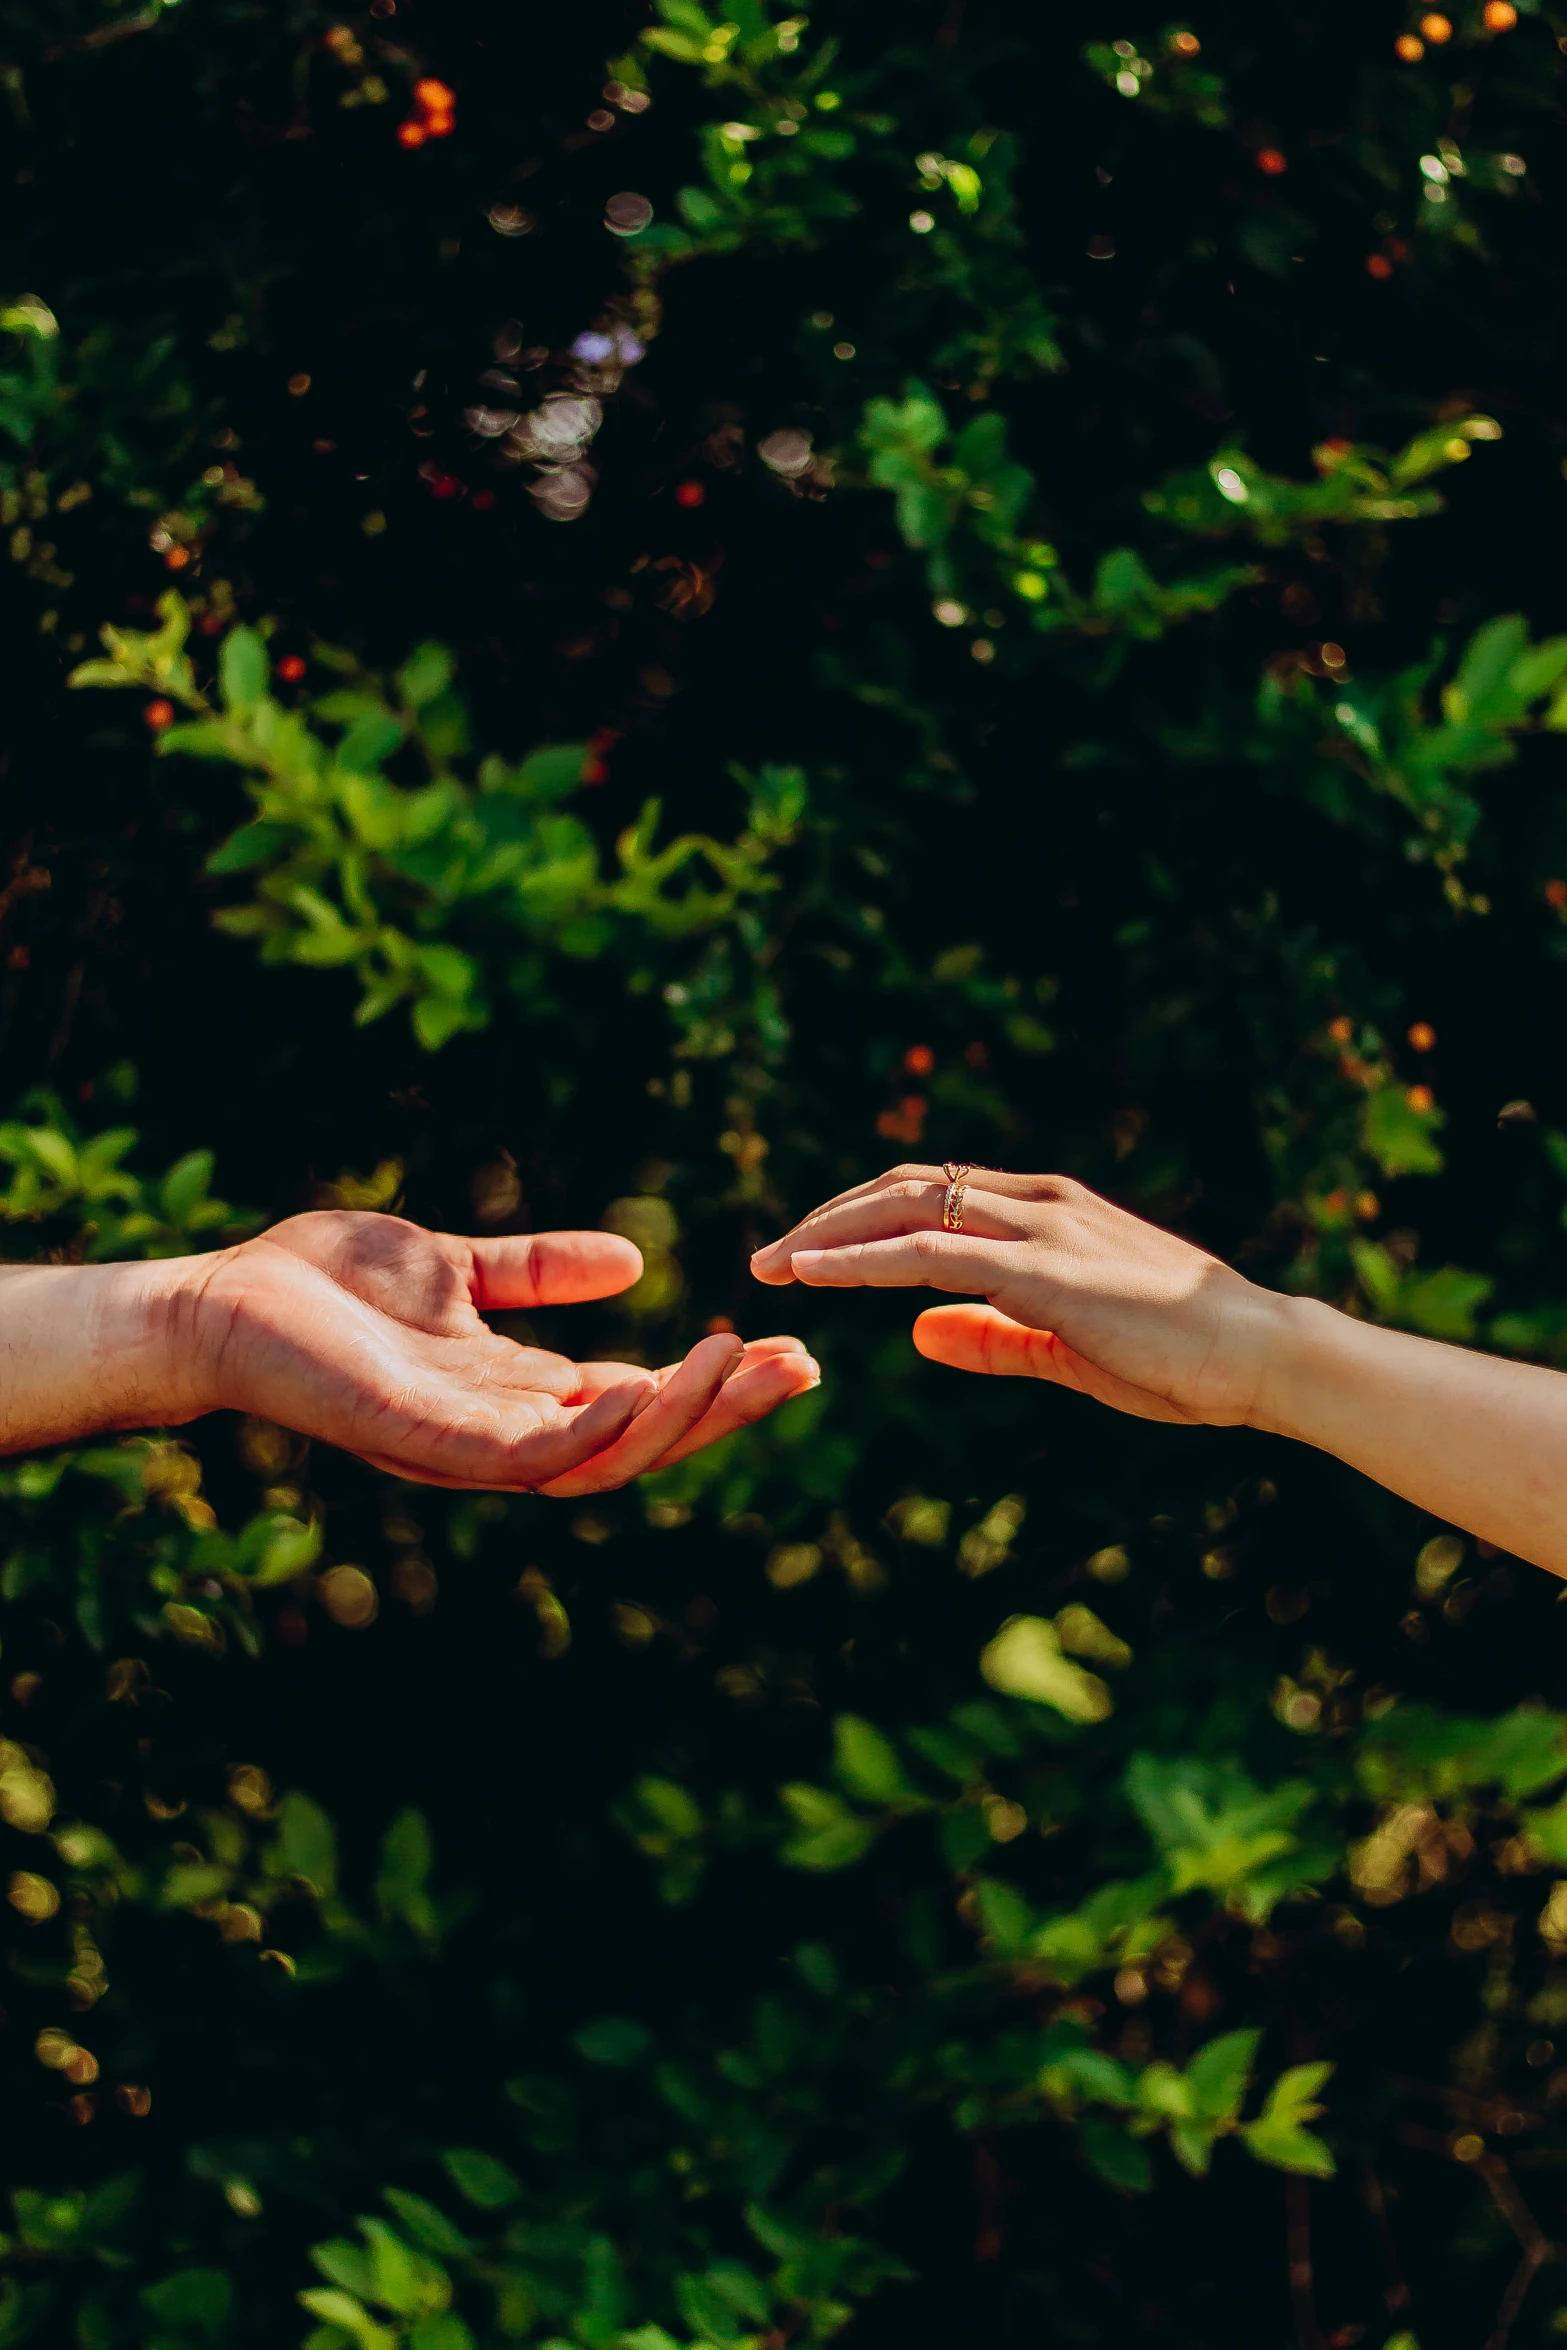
895	1209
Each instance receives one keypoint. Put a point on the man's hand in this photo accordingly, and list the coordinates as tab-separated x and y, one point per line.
367	1332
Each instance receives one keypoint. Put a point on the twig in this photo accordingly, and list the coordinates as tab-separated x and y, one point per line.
26	878
1395	2293
69	997
990	2202
101	35
1535	2245
1513	2299
1297	2241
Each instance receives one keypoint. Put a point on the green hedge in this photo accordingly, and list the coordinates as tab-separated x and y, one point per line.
627	619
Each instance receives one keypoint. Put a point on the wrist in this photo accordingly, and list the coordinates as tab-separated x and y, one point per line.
1306	1354
86	1349
150	1332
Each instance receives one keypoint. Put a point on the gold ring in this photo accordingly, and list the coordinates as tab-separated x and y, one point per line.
957	1173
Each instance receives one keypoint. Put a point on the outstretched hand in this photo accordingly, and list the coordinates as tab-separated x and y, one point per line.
367	1332
1077	1291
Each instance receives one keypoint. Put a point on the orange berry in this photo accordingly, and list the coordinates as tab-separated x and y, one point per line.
435	97
1185	44
1422	1036
1437	28
1556	893
906	1123
1410	47
1341	1029
1270	160
690	493
1378	265
1500	16
159	714
919	1060
440	126
1420	1097
411	134
177	558
291	668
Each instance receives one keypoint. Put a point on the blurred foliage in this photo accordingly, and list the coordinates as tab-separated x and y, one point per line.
1005	568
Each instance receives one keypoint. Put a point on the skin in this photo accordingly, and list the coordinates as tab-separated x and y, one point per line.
368	1332
1080	1293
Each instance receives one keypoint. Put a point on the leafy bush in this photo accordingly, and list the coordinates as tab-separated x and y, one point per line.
1004	570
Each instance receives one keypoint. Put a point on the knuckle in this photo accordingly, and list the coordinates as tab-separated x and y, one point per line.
1060	1190
909	1187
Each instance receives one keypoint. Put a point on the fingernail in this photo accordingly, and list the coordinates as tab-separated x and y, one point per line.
808	1256
814	1367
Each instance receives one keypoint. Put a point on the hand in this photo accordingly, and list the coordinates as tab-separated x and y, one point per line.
1078	1291
365	1331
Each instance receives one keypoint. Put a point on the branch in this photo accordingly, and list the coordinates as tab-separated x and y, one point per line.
1297	2240
102	35
1395	2293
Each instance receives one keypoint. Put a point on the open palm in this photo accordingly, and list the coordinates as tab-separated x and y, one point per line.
367	1331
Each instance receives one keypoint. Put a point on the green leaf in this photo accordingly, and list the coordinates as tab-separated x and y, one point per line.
243	670
342	2309
369	741
1025	1659
1219	2072
427	2225
1279	2136
445	2331
1118	2159
307	1841
425	675
616	2040
260	843
200	2299
402	1877
45	2222
829	1835
1399	1133
484	2179
185	1186
1005	1914
866	1762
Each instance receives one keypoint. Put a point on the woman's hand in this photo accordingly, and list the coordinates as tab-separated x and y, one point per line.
1082	1293
1077	1291
367	1332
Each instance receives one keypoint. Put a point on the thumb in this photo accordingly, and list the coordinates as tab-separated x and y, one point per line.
982	1338
551	1268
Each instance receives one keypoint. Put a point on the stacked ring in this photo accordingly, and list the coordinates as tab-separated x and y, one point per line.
957	1173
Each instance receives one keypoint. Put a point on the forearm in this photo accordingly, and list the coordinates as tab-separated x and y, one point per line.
1474	1439
87	1348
